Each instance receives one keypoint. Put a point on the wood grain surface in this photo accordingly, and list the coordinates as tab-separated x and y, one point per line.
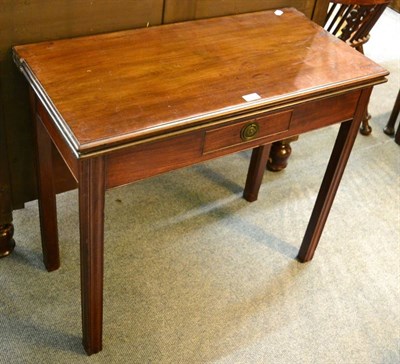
115	88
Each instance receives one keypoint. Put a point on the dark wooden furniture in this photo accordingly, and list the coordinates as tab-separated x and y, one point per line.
350	21
39	20
183	10
32	21
395	4
125	106
7	243
389	128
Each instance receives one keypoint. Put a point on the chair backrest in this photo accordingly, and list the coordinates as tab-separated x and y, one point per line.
352	20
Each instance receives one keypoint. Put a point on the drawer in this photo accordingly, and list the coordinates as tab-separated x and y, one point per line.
246	131
320	113
150	159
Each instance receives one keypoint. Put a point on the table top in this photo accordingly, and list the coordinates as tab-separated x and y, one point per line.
113	89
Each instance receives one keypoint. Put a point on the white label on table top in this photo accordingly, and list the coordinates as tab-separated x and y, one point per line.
252	97
278	12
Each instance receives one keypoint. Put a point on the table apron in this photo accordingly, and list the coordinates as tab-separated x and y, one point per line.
144	160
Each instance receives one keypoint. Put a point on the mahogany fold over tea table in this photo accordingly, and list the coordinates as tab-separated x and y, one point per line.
125	106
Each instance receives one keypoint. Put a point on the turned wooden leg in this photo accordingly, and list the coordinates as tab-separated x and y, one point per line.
7	242
46	198
330	183
91	221
389	128
365	128
279	154
255	174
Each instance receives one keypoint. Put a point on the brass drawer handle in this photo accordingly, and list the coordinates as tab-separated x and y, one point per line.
249	131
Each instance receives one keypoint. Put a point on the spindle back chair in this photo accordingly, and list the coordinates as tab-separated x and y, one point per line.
352	20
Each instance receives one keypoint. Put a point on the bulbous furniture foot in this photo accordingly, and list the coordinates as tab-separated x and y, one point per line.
365	128
279	154
7	242
388	130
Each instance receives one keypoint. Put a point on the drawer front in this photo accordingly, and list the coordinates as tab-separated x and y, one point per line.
246	131
320	113
153	158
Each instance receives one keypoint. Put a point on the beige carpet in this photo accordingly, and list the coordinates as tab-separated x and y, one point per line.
195	274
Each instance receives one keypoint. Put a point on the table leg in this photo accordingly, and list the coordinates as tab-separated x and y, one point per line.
337	163
397	135
389	128
46	198
7	242
91	221
255	174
